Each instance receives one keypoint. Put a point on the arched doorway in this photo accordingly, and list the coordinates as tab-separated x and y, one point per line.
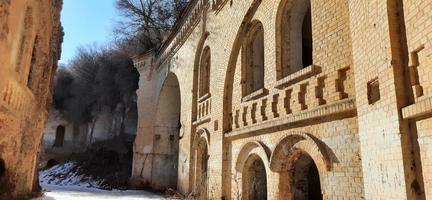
59	138
166	138
301	160
254	179
201	175
303	177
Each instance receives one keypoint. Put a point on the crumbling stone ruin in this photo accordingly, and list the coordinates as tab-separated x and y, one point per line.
290	99
30	38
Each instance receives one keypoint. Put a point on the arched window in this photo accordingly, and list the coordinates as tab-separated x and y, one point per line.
204	72
253	59
60	133
294	37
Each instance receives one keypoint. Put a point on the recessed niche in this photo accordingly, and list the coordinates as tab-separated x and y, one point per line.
373	88
157	137
2	168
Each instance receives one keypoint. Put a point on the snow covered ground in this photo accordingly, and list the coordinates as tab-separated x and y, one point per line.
61	183
65	175
81	193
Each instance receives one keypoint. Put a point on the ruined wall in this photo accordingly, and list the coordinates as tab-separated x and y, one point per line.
30	37
74	138
359	114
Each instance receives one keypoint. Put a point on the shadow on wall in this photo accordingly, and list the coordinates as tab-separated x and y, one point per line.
2	168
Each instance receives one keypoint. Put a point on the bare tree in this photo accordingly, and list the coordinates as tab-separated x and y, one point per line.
96	79
145	23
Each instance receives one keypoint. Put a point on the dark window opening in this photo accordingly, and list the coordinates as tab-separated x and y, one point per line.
59	139
204	73
2	168
254	60
294	37
307	39
373	89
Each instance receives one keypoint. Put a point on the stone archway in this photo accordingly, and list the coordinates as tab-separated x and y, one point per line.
166	138
232	63
301	181
201	183
301	161
254	179
253	166
200	154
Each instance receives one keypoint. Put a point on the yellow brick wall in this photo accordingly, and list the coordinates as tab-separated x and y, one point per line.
354	44
418	23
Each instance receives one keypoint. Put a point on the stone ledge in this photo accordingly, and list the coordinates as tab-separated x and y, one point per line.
255	95
297	76
418	109
339	107
202	121
204	97
14	97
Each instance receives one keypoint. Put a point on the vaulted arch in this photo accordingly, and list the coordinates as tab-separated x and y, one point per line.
301	161
167	135
196	74
199	168
229	77
304	142
253	165
252	148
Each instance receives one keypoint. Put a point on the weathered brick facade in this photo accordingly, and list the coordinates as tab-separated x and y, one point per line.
30	38
357	112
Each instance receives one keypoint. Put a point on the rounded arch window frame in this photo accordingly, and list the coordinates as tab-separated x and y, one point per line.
204	72
250	73
289	36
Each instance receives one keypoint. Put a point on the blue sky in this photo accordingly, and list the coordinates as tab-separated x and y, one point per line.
86	22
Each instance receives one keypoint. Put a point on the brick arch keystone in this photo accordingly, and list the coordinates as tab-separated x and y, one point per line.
293	145
201	134
252	148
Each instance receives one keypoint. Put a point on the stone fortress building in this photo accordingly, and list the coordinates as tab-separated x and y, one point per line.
290	99
30	38
251	99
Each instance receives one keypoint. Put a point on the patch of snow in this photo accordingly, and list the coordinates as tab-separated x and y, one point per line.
61	182
80	193
65	175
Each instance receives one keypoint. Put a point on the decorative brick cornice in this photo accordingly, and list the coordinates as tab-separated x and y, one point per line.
181	31
338	108
419	109
14	97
